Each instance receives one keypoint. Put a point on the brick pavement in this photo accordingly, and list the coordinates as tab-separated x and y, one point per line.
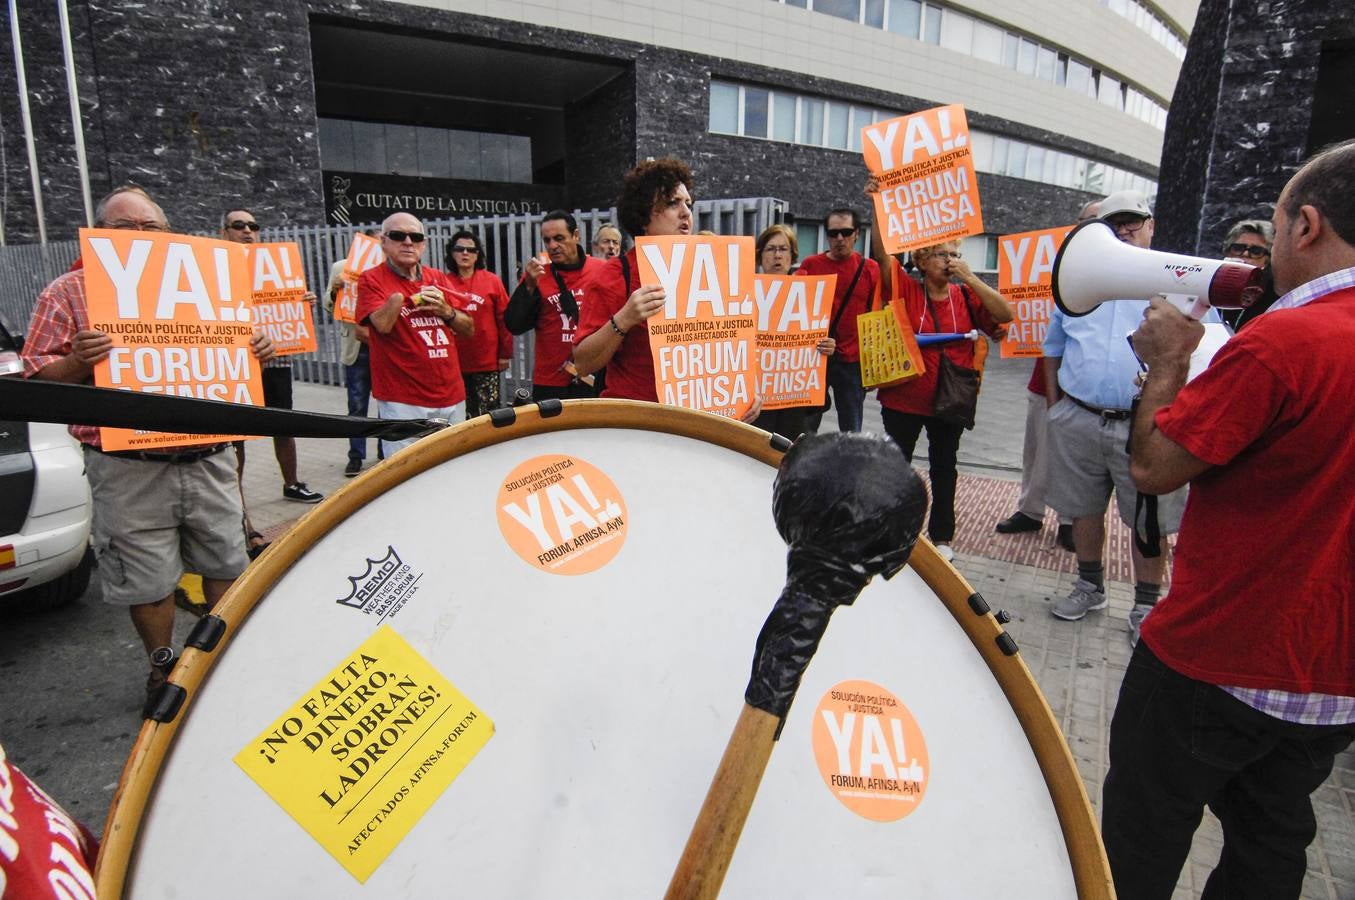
1078	665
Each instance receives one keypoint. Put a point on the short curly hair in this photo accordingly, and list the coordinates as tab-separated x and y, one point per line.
772	231
642	188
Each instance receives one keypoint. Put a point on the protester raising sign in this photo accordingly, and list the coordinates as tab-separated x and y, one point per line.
177	309
277	285
1024	276
793	315
363	254
928	191
704	339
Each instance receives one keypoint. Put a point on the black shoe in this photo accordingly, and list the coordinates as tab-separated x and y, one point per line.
1018	522
1065	538
354	467
301	494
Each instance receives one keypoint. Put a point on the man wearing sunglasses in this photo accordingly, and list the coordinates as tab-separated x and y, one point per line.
416	373
858	287
240	226
1089	386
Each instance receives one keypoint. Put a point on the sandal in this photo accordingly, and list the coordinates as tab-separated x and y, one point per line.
255	544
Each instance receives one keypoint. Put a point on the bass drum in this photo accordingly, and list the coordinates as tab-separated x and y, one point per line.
506	662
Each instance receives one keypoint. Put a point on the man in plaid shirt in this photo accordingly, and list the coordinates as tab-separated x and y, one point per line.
155	513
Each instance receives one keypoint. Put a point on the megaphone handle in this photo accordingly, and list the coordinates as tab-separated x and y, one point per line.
1189	304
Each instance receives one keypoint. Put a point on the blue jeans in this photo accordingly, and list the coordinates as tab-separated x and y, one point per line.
844	381
1178	745
358	378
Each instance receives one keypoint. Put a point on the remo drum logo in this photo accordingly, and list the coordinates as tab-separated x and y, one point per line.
562	515
870	751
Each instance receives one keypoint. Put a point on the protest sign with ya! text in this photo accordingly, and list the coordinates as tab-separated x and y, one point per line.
704	339
1025	269
793	315
363	254
178	311
928	190
277	285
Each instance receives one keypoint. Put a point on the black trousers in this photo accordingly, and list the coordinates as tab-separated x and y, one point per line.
943	448
1177	745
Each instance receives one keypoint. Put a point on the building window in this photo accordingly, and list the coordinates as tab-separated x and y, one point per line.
963	33
383	148
821	123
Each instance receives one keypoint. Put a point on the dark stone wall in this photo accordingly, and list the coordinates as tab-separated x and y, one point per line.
204	104
212	103
1239	121
600	143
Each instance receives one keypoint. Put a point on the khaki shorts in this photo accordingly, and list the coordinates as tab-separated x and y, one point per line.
155	520
1087	459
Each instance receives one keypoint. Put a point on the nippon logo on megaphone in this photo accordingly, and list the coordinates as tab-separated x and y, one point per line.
1180	273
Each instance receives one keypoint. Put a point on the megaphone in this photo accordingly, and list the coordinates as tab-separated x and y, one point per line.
1094	266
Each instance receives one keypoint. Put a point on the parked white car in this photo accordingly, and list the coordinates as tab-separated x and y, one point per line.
45	508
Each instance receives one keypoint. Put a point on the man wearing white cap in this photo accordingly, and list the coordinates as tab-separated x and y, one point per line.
1089	372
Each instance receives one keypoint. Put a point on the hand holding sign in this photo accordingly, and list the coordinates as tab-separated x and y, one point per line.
647	300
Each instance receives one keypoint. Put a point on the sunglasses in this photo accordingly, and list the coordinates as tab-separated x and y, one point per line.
399	236
460	249
1251	251
241	225
841	232
1128	226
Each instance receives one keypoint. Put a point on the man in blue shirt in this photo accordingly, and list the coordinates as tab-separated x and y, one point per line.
1089	372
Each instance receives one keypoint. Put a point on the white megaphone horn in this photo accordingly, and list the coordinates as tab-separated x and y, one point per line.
1094	266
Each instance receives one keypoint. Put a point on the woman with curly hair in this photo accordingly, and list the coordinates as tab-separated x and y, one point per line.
656	199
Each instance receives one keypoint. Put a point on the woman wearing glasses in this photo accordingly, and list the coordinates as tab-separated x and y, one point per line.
949	299
1249	242
777	253
489	350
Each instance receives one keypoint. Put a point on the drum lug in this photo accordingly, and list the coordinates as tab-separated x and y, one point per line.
165	705
207	633
1002	616
503	417
978	604
1007	644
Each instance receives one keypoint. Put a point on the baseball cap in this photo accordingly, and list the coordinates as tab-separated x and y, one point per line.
1125	202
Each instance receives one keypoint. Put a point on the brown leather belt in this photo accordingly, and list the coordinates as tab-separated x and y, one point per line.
181	458
1109	415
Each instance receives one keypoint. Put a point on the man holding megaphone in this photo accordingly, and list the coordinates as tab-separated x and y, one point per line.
1089	372
1242	689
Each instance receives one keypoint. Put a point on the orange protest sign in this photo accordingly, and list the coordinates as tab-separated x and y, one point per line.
177	310
1025	266
277	286
928	190
704	339
793	315
363	254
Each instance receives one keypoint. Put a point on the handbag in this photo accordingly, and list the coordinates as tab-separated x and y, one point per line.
957	389
889	355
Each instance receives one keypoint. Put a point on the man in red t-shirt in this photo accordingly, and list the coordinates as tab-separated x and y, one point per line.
415	370
1241	690
551	299
858	289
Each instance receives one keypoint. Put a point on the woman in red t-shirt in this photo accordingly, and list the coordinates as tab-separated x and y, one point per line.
938	305
487	352
656	199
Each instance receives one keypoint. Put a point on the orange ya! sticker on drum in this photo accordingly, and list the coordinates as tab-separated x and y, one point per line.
562	515
1025	275
870	751
361	756
928	190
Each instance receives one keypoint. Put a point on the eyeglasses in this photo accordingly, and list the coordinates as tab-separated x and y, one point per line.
948	254
241	225
1251	251
399	236
133	225
771	249
841	232
1128	226
461	249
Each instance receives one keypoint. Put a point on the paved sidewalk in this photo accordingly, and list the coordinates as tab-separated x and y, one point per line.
1079	665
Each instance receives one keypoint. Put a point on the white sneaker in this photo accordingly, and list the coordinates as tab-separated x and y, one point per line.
944	551
1083	598
1136	617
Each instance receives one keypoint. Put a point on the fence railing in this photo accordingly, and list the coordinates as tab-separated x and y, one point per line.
25	269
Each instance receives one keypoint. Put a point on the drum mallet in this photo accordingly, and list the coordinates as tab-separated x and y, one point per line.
849	507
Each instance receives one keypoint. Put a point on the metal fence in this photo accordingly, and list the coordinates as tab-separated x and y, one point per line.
25	269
